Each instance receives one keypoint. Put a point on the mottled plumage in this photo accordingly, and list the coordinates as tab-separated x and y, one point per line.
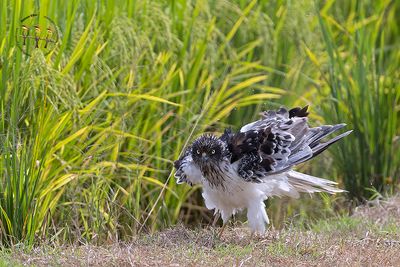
240	170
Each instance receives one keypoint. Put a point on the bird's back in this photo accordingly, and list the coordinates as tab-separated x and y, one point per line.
277	142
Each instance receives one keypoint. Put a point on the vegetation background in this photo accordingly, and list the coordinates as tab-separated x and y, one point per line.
89	131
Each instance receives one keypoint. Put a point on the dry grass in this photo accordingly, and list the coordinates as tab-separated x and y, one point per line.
370	237
380	211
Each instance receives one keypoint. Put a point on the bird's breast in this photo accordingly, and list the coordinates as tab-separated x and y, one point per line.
219	176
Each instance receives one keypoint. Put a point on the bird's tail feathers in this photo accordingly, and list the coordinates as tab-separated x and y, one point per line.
310	184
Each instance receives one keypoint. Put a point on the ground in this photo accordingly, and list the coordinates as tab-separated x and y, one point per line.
370	237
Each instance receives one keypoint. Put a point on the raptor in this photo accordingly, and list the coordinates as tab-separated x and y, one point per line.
240	170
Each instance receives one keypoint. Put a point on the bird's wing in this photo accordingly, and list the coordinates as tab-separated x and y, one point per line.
277	142
186	170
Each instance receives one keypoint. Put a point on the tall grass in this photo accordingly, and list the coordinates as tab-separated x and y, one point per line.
361	81
128	91
89	131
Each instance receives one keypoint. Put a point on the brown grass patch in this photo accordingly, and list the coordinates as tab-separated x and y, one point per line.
368	238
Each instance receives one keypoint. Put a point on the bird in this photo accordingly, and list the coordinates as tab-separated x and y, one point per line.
37	35
240	170
48	37
25	33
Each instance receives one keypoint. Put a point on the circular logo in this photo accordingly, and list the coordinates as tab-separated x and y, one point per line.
31	35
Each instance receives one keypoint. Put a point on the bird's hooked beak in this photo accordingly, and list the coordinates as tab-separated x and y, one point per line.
204	156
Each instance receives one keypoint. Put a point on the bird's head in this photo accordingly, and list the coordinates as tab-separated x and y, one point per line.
208	149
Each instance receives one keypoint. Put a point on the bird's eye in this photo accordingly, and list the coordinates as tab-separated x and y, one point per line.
198	152
213	151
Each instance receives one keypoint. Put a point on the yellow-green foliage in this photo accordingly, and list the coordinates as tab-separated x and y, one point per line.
89	131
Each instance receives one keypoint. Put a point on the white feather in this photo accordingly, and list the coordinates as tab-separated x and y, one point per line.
289	141
239	195
192	172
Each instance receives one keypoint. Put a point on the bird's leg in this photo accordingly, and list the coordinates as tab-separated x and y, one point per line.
249	163
216	219
221	231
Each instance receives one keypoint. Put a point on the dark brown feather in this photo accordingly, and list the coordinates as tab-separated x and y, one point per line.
278	141
298	112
